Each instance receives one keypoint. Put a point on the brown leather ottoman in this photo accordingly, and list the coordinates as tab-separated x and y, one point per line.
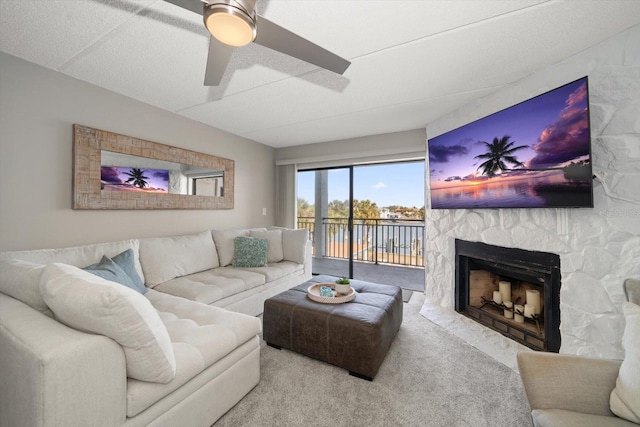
355	335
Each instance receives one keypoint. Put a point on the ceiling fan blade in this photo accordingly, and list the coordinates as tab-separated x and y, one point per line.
217	60
278	38
195	6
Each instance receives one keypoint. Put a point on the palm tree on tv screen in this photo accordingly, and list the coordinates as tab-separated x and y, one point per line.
499	151
138	179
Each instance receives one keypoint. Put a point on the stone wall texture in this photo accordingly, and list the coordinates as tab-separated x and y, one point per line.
599	248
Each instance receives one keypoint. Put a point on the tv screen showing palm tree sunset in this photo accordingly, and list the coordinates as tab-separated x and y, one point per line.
116	178
536	154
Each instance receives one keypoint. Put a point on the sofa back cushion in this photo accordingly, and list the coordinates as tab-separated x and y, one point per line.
21	280
294	243
225	243
274	240
165	258
89	303
79	256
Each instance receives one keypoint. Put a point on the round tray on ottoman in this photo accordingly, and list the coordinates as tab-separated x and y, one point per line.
314	294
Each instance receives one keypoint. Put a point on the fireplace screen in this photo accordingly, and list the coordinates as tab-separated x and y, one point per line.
513	291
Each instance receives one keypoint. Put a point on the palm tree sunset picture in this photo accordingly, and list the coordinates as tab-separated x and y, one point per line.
114	178
533	154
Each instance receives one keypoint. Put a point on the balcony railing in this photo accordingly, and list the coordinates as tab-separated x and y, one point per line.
377	240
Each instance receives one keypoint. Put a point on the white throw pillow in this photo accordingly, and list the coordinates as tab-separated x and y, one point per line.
294	243
225	243
21	280
165	258
92	304
274	239
625	398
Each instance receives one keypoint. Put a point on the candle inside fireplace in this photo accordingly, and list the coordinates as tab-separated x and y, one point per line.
497	297
505	290
529	310
533	298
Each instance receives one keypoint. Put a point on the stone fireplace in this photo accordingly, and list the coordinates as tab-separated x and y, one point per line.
598	247
512	291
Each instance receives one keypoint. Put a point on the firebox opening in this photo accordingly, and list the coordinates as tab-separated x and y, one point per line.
513	291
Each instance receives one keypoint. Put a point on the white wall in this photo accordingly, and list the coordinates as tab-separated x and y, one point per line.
37	110
598	247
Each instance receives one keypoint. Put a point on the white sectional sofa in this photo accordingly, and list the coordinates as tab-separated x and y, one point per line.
77	349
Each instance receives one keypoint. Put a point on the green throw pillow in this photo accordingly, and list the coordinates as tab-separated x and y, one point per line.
250	252
108	269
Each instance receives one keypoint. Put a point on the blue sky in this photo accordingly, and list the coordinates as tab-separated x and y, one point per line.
385	184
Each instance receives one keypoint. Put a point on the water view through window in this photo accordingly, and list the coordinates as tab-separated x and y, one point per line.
388	215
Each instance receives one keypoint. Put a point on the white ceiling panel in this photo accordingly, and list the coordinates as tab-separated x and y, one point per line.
391	118
49	33
412	61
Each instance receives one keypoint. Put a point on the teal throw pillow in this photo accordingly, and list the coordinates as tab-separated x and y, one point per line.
127	262
250	252
109	270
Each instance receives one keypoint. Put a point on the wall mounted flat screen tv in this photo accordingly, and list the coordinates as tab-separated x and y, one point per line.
536	154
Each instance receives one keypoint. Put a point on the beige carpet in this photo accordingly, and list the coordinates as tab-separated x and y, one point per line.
429	378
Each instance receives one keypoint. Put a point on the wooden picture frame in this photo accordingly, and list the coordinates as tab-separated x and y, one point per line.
88	145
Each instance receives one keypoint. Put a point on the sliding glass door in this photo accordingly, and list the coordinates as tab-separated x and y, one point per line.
325	208
367	221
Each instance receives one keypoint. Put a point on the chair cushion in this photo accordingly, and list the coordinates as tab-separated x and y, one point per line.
165	258
632	290
625	397
89	303
563	418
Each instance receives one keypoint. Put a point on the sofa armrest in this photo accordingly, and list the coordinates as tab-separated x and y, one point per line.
52	375
573	383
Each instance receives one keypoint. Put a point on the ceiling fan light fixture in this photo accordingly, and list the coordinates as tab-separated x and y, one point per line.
230	23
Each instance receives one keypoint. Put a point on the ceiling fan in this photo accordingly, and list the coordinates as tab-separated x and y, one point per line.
235	23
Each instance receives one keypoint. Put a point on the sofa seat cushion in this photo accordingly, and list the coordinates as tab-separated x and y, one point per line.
275	271
201	336
561	417
212	285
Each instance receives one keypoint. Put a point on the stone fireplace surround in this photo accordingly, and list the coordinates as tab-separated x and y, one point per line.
599	248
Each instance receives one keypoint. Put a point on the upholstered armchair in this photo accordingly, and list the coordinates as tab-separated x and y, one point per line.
565	390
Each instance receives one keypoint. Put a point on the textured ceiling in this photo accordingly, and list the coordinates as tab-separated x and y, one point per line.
412	61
